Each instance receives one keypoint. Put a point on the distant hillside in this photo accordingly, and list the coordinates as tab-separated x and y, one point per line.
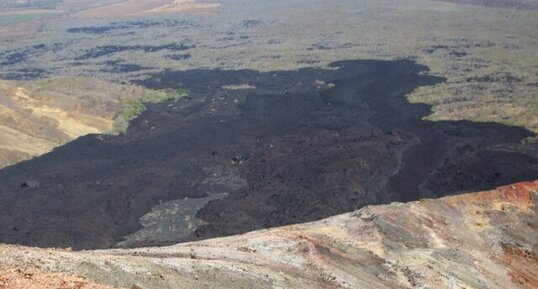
36	117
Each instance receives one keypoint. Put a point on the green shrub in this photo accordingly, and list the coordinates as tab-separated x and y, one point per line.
134	108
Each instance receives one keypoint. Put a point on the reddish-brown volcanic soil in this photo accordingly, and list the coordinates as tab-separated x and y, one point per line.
125	8
485	240
520	4
30	278
303	145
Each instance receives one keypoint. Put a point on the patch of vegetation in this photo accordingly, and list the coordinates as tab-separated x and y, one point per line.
111	49
239	86
532	140
155	96
134	108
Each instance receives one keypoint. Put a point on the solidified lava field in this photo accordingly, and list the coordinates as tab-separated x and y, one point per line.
288	147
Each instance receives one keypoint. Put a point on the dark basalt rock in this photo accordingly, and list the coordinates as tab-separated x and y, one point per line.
289	151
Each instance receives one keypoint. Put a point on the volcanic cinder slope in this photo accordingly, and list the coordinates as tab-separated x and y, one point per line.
248	150
478	240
